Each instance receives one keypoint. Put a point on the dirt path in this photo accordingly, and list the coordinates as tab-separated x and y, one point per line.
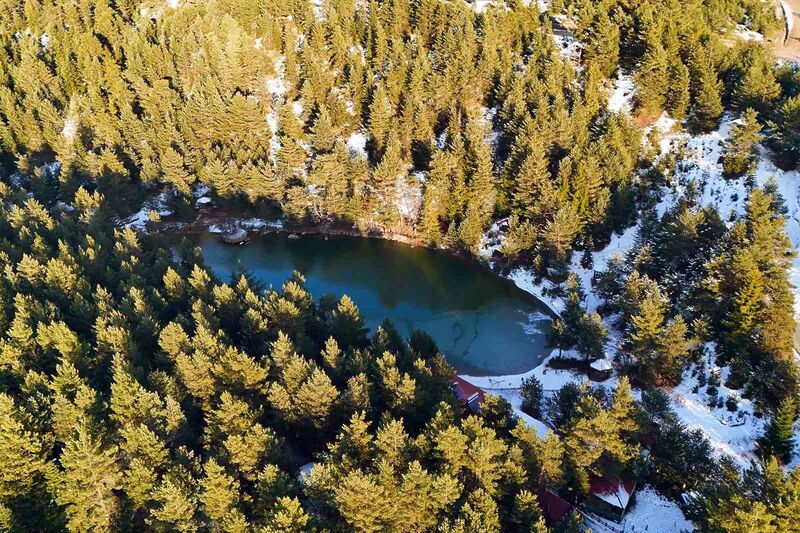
789	47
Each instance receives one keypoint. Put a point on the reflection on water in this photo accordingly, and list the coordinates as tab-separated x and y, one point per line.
482	323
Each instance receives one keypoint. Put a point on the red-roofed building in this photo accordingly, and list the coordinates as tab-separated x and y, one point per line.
610	496
554	507
468	395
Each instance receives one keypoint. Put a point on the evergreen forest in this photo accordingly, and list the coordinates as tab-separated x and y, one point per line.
141	392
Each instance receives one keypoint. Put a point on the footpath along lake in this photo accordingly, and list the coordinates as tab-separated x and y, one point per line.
484	324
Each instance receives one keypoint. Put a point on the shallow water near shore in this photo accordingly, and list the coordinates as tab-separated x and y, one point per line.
484	324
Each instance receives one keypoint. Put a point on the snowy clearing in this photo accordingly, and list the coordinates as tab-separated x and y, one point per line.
747	34
139	220
653	512
621	100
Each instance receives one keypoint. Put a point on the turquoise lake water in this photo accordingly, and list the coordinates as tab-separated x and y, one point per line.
483	324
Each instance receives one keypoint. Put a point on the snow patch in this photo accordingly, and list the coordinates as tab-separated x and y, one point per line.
567	46
729	433
138	221
653	512
357	145
70	127
277	86
200	190
481	5
252	224
408	198
621	100
747	34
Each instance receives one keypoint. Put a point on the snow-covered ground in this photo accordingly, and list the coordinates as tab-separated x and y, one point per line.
622	98
252	224
568	47
357	145
651	512
139	220
747	34
729	433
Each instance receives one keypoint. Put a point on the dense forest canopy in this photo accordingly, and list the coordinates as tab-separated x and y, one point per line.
465	117
138	391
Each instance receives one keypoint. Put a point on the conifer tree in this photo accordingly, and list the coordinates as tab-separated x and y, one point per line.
739	152
176	507
532	396
707	101
88	483
220	496
778	439
23	459
785	129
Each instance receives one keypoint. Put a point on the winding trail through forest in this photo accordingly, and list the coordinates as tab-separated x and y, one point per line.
789	47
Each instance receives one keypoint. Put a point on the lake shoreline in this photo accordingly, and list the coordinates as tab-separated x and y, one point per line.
484	323
259	225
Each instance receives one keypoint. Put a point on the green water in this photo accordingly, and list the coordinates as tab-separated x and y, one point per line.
482	323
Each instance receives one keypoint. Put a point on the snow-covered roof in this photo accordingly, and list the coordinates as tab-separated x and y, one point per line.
601	365
305	471
614	491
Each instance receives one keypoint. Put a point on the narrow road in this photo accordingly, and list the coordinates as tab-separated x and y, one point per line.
789	47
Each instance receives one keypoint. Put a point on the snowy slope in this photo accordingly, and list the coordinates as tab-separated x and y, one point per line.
702	165
729	433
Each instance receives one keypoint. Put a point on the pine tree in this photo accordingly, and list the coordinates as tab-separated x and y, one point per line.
560	231
739	152
527	512
678	96
22	461
380	114
389	171
220	496
532	395
88	483
652	80
533	192
287	517
707	101
646	328
785	130
778	439
176	507
347	325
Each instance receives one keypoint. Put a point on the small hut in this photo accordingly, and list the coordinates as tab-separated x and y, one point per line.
204	202
600	370
235	236
469	396
610	496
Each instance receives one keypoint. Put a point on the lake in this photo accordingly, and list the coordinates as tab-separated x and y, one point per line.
484	324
